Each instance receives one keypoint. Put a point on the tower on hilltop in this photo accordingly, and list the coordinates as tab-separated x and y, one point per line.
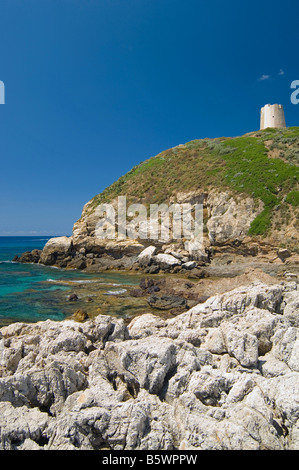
272	115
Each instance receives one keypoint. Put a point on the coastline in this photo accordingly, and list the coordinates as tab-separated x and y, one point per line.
206	362
179	279
167	279
216	377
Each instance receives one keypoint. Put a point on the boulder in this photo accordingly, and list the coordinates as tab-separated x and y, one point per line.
150	285
142	364
80	315
189	265
145	258
283	254
22	428
29	257
73	298
56	249
166	262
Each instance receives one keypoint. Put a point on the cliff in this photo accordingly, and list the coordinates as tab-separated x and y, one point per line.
248	186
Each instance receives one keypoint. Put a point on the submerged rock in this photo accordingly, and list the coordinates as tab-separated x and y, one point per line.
80	315
223	375
166	302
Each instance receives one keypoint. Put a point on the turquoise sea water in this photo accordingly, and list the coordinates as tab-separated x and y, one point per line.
32	292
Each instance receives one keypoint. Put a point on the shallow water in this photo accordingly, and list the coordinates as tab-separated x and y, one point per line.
32	292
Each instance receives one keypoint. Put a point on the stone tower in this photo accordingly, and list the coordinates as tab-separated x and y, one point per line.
272	115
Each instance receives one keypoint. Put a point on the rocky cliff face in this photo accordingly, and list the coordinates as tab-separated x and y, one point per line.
223	375
227	221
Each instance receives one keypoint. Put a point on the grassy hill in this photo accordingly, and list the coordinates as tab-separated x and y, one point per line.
262	165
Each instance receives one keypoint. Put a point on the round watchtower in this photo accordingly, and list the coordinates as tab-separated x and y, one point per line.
272	115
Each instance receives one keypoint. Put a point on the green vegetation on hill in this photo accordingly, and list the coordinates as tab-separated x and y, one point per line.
262	165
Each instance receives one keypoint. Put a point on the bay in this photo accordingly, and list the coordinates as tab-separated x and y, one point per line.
33	292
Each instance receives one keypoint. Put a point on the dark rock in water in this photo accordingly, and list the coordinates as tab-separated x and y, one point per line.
30	256
137	292
73	298
147	283
16	258
153	289
80	315
166	302
189	285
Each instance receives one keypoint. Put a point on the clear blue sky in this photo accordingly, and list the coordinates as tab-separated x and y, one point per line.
94	87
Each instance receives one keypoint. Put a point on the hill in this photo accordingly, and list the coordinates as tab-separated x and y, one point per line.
261	165
248	186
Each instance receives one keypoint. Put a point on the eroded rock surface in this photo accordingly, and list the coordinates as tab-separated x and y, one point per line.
222	375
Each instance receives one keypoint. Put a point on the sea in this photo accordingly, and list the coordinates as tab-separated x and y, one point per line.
33	292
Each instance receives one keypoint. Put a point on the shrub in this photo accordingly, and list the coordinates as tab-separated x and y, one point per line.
293	198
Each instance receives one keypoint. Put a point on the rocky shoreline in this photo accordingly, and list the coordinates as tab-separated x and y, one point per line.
209	360
221	375
172	280
206	365
172	258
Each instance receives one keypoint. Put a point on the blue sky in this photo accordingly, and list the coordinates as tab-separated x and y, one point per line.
94	87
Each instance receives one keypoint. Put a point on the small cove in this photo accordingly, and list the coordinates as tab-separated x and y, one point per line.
32	292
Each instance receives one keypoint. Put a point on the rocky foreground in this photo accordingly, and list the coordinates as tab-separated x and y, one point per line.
223	375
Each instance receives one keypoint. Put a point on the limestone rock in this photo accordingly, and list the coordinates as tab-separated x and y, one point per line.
223	375
145	258
145	325
143	363
166	261
229	217
22	428
189	265
291	308
55	249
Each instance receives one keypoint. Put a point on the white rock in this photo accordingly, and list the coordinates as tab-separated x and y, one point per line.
54	249
147	252
230	217
223	375
167	260
241	345
189	265
291	309
144	363
146	256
